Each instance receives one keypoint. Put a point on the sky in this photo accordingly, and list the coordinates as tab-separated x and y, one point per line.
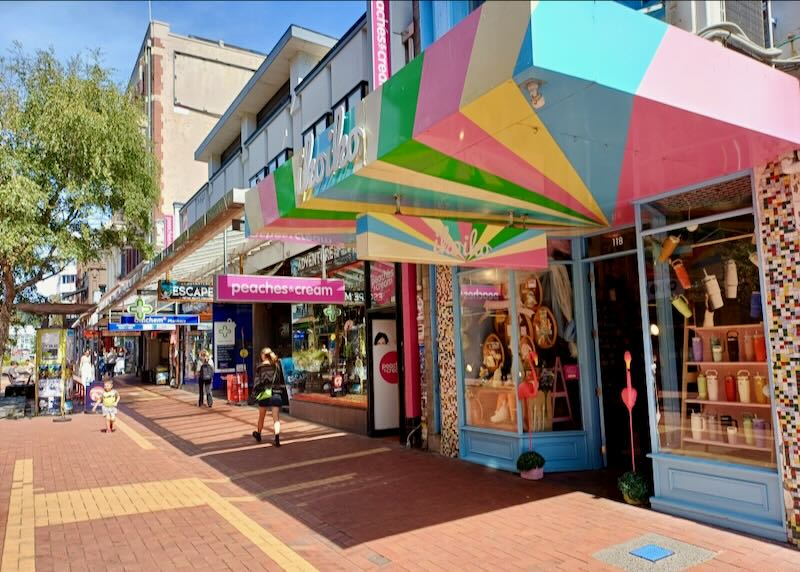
117	28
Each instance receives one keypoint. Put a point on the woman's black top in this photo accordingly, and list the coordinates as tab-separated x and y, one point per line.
270	375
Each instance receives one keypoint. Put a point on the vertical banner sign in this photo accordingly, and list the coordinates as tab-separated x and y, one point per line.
169	230
381	42
385	374
233	341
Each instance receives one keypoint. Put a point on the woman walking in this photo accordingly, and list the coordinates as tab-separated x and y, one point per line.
268	390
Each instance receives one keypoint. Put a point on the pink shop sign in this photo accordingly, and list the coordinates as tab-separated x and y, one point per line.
247	288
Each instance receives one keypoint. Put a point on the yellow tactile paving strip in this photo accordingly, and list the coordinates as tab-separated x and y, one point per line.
29	509
135	436
18	548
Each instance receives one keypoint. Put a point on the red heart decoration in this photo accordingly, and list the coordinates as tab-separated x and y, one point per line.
629	397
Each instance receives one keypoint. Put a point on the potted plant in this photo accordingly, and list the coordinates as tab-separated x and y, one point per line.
530	465
634	488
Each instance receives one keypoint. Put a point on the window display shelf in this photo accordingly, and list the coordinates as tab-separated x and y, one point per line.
726	445
728	403
757	326
712	364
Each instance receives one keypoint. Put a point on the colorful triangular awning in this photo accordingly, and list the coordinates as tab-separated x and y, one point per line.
538	114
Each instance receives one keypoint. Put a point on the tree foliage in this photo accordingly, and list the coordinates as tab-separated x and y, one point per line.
72	152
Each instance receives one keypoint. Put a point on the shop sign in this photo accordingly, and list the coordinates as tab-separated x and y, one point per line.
385	375
479	293
310	263
278	289
419	240
388	368
140	327
174	319
175	291
381	283
343	151
140	308
381	42
354	296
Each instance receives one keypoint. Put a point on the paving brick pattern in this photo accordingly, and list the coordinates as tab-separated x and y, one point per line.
187	488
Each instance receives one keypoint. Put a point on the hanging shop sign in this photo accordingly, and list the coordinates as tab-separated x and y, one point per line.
175	291
380	32
140	308
255	289
310	263
417	240
174	319
140	327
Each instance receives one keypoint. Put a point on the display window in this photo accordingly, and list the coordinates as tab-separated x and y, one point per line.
530	358
707	335
329	344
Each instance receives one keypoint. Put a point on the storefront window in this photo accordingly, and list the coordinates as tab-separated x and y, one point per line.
544	333
329	341
546	315
489	389
707	333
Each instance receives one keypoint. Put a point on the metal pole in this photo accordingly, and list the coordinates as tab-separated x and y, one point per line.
324	265
225	251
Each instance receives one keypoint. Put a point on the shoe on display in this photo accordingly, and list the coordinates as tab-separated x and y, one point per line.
500	416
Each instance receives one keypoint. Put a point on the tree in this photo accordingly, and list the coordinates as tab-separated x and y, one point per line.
73	151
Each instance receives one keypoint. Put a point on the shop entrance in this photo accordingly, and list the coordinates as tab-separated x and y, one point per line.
617	329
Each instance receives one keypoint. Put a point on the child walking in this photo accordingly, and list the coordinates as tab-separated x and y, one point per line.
109	401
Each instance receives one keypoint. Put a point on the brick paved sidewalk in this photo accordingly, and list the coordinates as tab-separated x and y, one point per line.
183	488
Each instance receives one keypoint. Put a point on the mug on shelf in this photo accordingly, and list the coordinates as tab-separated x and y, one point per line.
743	385
761	389
760	432
733	345
712	380
702	386
747	423
733	434
760	347
668	247
730	388
698	426
681	304
755	305
749	348
697	348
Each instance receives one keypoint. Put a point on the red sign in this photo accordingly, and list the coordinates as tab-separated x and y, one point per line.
169	232
381	42
388	368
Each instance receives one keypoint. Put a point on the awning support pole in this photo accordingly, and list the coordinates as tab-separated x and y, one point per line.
324	265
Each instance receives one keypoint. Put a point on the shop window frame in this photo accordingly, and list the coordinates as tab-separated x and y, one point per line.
649	350
578	294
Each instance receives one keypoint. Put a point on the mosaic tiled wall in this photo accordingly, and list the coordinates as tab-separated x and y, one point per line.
447	361
778	204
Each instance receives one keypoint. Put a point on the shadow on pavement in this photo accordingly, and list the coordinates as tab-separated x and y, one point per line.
348	488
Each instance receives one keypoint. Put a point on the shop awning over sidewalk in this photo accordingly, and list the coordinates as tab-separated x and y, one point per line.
547	114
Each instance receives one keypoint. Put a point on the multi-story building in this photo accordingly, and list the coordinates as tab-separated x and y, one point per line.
185	84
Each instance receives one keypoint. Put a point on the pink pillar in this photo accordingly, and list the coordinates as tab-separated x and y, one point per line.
413	394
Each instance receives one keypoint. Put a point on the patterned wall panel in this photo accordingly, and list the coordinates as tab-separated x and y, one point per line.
778	203
447	361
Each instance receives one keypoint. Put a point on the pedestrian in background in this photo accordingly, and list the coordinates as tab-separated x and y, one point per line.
268	389
119	364
205	378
